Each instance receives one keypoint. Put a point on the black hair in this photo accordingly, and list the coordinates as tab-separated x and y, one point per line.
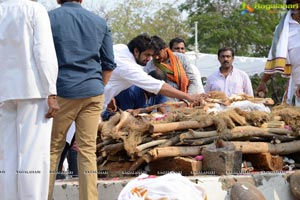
141	42
158	74
158	42
226	49
64	1
176	40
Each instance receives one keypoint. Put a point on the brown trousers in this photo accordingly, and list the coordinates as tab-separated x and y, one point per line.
86	114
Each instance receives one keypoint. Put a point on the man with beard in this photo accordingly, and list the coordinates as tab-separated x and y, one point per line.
130	60
228	79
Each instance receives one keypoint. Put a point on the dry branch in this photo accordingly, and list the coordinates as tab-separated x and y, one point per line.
263	147
161	152
149	144
175	126
112	149
197	134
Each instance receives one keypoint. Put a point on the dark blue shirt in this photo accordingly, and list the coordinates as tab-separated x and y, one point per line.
83	44
135	97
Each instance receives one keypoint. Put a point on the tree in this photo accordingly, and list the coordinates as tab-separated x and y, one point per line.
222	24
134	17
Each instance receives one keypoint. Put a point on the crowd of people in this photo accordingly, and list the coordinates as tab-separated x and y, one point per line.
60	68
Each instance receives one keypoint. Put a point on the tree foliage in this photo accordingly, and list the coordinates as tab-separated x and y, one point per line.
127	19
220	23
134	17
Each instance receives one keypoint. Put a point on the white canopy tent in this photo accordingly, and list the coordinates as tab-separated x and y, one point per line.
208	63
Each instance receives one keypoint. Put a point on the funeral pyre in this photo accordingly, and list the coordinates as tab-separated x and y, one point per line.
227	135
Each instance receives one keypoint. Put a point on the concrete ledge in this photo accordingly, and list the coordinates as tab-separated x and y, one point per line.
274	186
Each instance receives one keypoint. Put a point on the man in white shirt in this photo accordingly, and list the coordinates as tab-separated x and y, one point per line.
130	60
228	79
27	99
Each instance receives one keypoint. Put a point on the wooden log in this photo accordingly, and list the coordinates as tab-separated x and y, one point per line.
273	124
183	165
265	161
112	149
104	143
198	134
160	152
106	127
125	118
251	136
147	157
253	129
170	142
239	131
183	125
100	159
263	147
136	164
149	144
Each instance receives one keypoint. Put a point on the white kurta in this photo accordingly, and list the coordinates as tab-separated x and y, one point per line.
28	75
28	60
128	73
293	55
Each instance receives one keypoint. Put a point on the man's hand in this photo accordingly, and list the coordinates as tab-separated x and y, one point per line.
198	99
53	106
261	90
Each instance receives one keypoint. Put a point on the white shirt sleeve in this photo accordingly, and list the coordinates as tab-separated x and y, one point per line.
44	51
128	73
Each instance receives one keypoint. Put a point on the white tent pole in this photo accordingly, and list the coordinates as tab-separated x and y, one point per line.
196	37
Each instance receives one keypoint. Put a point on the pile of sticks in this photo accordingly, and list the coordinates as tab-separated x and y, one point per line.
137	139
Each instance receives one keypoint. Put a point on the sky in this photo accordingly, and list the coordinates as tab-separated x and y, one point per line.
108	3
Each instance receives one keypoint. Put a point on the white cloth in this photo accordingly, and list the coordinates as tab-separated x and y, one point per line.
70	133
279	46
291	93
200	88
28	75
237	82
28	59
25	149
128	73
169	186
293	48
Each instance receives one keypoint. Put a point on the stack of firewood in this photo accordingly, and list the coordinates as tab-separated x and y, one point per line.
130	141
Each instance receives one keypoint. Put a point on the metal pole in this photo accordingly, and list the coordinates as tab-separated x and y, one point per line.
196	36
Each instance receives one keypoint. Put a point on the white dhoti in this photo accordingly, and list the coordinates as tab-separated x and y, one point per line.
25	149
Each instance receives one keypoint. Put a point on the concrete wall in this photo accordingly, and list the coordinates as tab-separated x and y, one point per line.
273	186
